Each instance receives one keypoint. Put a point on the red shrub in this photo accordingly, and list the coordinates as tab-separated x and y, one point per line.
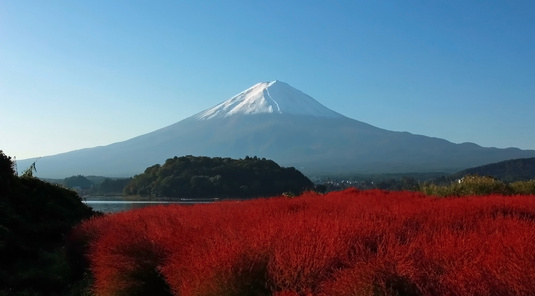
343	243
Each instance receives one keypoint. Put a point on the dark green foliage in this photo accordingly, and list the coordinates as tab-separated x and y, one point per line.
205	177
79	181
93	185
35	217
7	169
113	186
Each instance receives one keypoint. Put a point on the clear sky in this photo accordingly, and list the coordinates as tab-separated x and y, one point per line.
79	74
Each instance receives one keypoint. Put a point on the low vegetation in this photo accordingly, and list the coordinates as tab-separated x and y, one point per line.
479	185
342	243
523	187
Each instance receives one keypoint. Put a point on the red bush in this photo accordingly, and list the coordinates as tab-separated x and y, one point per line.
343	243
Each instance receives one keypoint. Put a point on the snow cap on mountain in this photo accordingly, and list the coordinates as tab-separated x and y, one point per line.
268	97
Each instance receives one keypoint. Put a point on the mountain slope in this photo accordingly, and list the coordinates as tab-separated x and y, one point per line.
522	169
276	121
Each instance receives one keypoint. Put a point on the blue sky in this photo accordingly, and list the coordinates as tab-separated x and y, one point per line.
78	74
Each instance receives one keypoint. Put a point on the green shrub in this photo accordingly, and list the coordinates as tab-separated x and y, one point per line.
469	185
523	187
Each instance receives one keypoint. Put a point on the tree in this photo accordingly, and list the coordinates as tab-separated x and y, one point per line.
7	167
79	181
35	218
28	173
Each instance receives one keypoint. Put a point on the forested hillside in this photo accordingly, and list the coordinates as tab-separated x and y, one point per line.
35	218
205	177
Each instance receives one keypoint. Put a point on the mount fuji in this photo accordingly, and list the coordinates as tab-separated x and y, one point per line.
278	122
274	97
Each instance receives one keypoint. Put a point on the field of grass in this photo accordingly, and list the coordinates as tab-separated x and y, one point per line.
343	243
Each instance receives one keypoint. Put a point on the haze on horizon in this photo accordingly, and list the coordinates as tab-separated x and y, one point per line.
83	74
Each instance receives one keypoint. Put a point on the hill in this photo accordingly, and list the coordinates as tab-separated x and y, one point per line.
205	177
521	169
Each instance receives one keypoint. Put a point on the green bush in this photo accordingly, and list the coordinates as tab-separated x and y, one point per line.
469	185
478	185
523	187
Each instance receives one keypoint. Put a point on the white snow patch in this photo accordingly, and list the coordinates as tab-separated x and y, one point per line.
268	97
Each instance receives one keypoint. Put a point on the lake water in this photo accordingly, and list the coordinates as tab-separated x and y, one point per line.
117	204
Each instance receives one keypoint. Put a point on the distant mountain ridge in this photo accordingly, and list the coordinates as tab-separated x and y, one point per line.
276	121
521	169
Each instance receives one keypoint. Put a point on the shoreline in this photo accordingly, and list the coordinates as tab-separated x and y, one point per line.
134	198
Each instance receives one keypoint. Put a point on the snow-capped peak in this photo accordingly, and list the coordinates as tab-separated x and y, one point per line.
268	97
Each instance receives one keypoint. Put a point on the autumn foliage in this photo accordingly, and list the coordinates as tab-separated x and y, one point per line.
342	243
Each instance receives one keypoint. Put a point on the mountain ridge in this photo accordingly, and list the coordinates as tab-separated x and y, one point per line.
304	134
520	169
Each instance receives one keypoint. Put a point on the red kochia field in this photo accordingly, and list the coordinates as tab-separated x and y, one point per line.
342	243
